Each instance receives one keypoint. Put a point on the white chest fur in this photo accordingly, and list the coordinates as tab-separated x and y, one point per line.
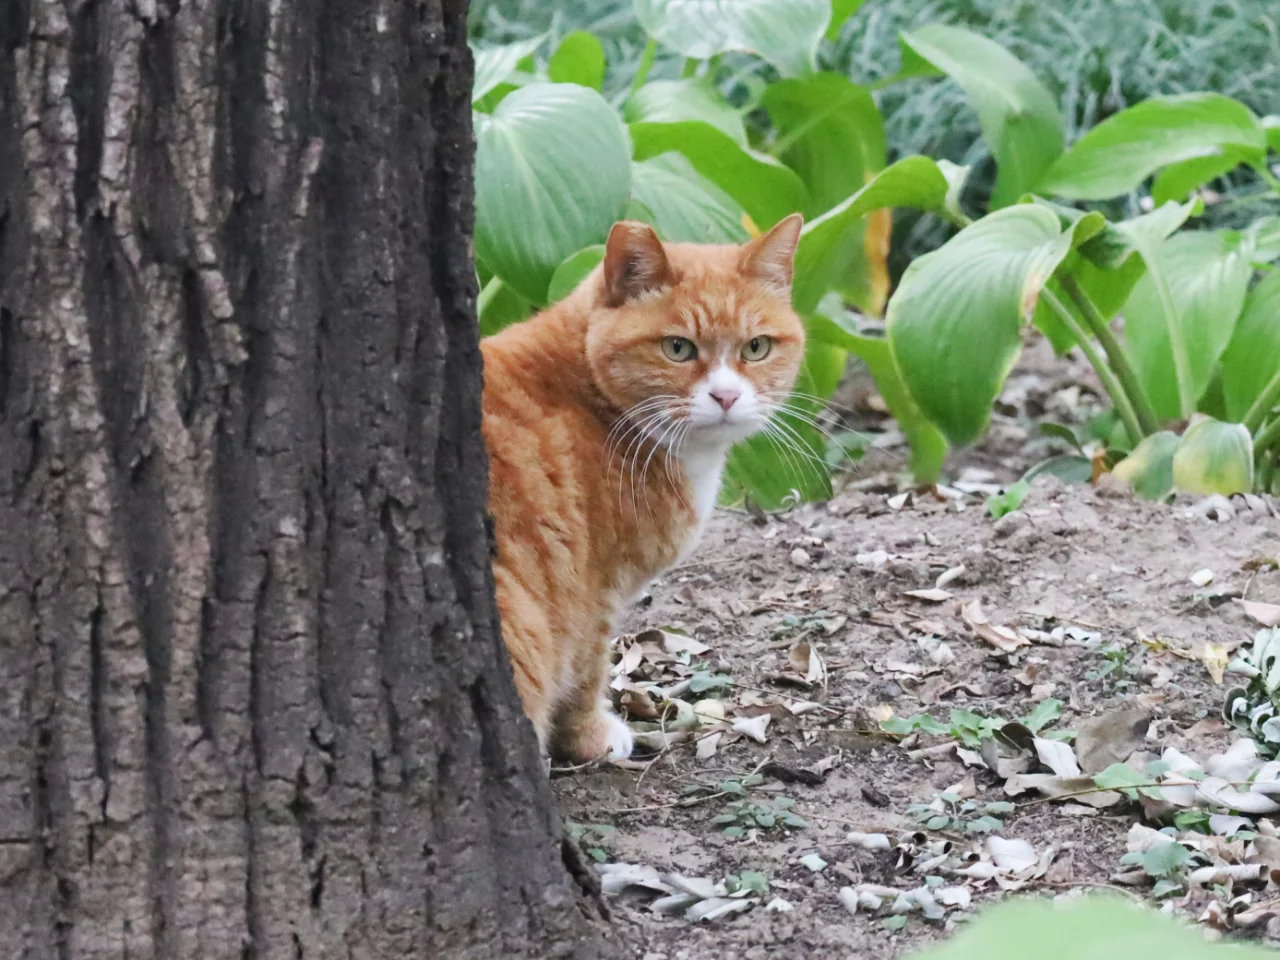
702	469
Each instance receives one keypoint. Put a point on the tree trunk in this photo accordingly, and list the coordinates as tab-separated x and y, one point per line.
253	699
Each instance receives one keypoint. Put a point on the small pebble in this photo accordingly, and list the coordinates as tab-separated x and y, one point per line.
800	557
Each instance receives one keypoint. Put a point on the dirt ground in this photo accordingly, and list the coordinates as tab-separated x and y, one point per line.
1102	583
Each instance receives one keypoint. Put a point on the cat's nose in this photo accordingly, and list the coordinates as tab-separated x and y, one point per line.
725	396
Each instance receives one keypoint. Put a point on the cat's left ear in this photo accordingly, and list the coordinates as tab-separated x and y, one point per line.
634	263
771	258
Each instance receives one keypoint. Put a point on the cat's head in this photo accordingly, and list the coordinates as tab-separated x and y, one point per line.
696	344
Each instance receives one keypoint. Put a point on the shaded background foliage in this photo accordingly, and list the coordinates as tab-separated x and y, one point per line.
1096	56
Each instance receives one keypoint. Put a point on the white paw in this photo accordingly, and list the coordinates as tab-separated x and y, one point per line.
618	737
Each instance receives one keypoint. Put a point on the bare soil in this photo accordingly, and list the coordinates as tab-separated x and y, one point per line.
1112	576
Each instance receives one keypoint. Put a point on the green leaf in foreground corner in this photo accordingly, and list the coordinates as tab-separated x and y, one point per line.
767	190
1250	360
1149	468
494	64
928	447
1181	314
1214	457
579	59
955	322
785	34
841	11
1018	115
673	101
542	196
911	182
573	271
1083	929
686	207
1118	154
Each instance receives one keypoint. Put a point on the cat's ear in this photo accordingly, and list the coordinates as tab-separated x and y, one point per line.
771	258
634	263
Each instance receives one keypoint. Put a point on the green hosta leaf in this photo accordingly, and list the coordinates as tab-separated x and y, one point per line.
495	64
825	243
541	195
1019	117
672	101
1176	181
1181	315
928	447
1149	468
955	321
579	59
785	34
685	205
1252	358
499	306
829	132
1087	928
1214	457
1069	468
1118	154
573	271
767	190
1130	782
841	11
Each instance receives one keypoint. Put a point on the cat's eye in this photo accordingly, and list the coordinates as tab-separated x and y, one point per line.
757	348
679	349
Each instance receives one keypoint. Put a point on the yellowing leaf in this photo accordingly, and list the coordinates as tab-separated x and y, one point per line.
876	244
1214	659
1214	457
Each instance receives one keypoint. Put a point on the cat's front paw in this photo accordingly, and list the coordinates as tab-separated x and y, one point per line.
599	735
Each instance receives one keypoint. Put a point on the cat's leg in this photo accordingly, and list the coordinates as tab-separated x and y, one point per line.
525	631
586	726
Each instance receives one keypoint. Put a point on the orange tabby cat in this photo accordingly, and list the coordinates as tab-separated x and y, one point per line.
608	418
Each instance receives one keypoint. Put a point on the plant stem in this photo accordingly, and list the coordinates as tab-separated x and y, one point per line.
1267	176
646	64
690	67
1266	401
1117	356
1109	381
1181	362
1267	437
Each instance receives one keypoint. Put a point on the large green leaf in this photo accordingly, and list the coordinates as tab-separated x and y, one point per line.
1118	154
1087	928
786	34
1149	467
789	456
495	64
1252	359
671	101
687	207
579	59
767	190
542	195
841	11
1181	315
1019	117
1108	265
825	243
928	446
955	321
1214	457
573	271
829	132
499	306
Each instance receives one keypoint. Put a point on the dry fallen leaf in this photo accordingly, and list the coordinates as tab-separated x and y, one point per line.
1110	738
1057	756
1214	659
1002	638
753	727
934	595
1267	614
807	662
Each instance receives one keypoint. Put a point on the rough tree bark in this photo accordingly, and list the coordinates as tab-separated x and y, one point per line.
253	701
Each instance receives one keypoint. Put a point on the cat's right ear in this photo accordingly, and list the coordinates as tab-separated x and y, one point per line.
634	263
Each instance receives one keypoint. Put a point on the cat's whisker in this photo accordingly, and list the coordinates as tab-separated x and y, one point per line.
626	421
632	453
669	427
785	444
800	445
825	402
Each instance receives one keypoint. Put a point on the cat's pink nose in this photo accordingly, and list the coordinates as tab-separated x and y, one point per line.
725	396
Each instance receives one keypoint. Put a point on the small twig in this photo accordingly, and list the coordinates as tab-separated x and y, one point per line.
683	801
